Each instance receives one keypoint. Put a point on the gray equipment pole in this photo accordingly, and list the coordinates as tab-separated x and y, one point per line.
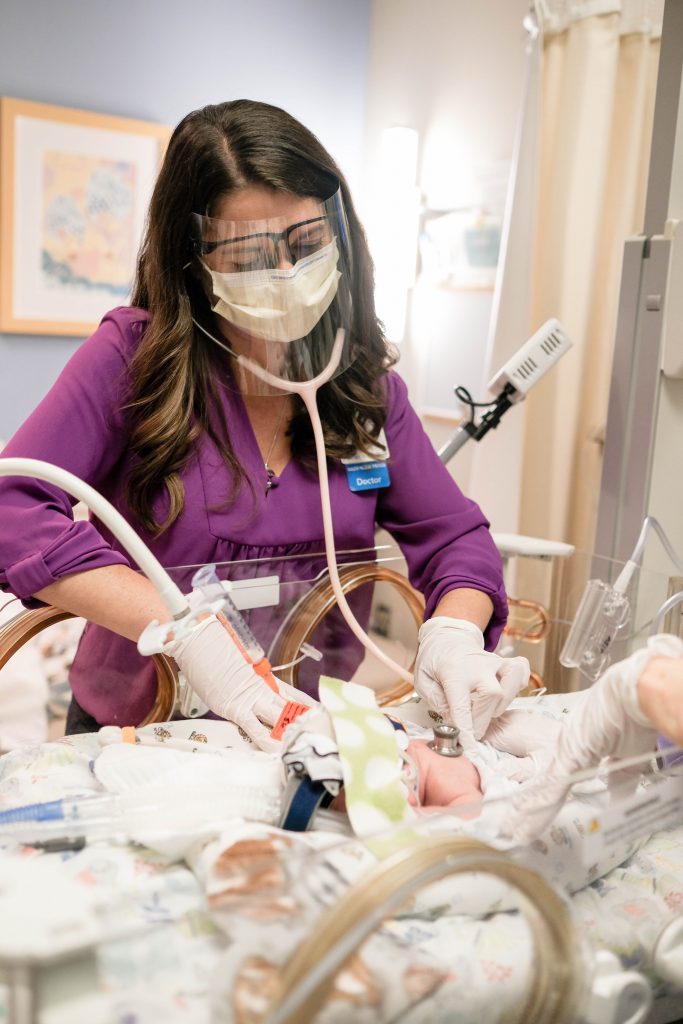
448	450
636	381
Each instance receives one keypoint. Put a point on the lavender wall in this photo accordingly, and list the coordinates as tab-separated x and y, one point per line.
158	59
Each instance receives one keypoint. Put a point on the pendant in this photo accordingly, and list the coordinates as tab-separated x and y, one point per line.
270	474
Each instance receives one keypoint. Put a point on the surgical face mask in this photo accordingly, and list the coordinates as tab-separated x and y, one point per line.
278	305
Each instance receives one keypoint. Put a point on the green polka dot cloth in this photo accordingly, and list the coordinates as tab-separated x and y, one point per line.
376	801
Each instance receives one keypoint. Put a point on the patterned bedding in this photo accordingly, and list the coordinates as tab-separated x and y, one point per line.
193	962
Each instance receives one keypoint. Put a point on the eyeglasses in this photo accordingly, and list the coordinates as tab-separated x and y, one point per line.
263	251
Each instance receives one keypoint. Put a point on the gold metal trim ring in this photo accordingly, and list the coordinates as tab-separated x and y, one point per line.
27	624
555	990
519	632
303	620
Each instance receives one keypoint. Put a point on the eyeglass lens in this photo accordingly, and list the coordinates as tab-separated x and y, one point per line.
263	251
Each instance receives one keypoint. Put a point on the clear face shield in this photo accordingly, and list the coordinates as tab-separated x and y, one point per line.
281	291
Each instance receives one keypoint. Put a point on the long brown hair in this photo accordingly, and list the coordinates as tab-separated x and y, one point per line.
175	371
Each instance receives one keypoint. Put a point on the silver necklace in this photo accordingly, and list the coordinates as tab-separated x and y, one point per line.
270	473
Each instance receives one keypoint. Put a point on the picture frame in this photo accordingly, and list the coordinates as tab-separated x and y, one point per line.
74	191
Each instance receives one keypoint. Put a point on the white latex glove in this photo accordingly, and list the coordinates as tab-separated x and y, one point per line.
218	673
530	737
462	682
608	723
299	696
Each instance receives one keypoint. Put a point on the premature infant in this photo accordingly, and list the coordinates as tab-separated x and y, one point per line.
517	745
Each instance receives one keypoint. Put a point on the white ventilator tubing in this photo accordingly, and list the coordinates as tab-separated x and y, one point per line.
169	592
308	391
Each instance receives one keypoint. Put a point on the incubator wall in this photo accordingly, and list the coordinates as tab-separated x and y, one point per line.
288	602
446	927
292	601
558	586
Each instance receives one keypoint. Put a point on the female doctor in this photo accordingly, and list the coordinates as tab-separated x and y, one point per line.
253	254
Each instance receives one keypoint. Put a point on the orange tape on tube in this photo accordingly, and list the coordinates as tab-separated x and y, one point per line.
290	711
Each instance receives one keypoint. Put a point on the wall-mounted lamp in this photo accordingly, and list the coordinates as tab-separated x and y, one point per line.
395	222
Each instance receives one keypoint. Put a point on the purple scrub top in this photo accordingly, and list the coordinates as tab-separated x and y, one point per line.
82	426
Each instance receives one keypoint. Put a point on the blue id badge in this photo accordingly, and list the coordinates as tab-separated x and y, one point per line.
367	476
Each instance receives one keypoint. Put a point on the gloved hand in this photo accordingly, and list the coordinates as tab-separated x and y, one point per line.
660	695
461	681
530	737
608	723
291	693
222	678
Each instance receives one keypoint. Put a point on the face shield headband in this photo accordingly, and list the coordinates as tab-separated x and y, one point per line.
280	289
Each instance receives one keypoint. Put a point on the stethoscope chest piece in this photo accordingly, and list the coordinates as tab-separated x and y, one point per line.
446	740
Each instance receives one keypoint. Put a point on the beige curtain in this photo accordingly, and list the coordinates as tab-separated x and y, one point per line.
598	82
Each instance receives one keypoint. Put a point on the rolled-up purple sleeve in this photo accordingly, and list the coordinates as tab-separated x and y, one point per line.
80	425
444	535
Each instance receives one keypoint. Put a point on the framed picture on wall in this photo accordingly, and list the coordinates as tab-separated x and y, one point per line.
74	190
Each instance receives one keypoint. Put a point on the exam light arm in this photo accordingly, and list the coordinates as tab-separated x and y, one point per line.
511	384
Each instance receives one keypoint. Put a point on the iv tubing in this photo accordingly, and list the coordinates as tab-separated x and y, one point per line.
651	522
670	603
170	594
308	391
648	523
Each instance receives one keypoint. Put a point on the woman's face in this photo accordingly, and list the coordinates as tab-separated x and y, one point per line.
276	248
